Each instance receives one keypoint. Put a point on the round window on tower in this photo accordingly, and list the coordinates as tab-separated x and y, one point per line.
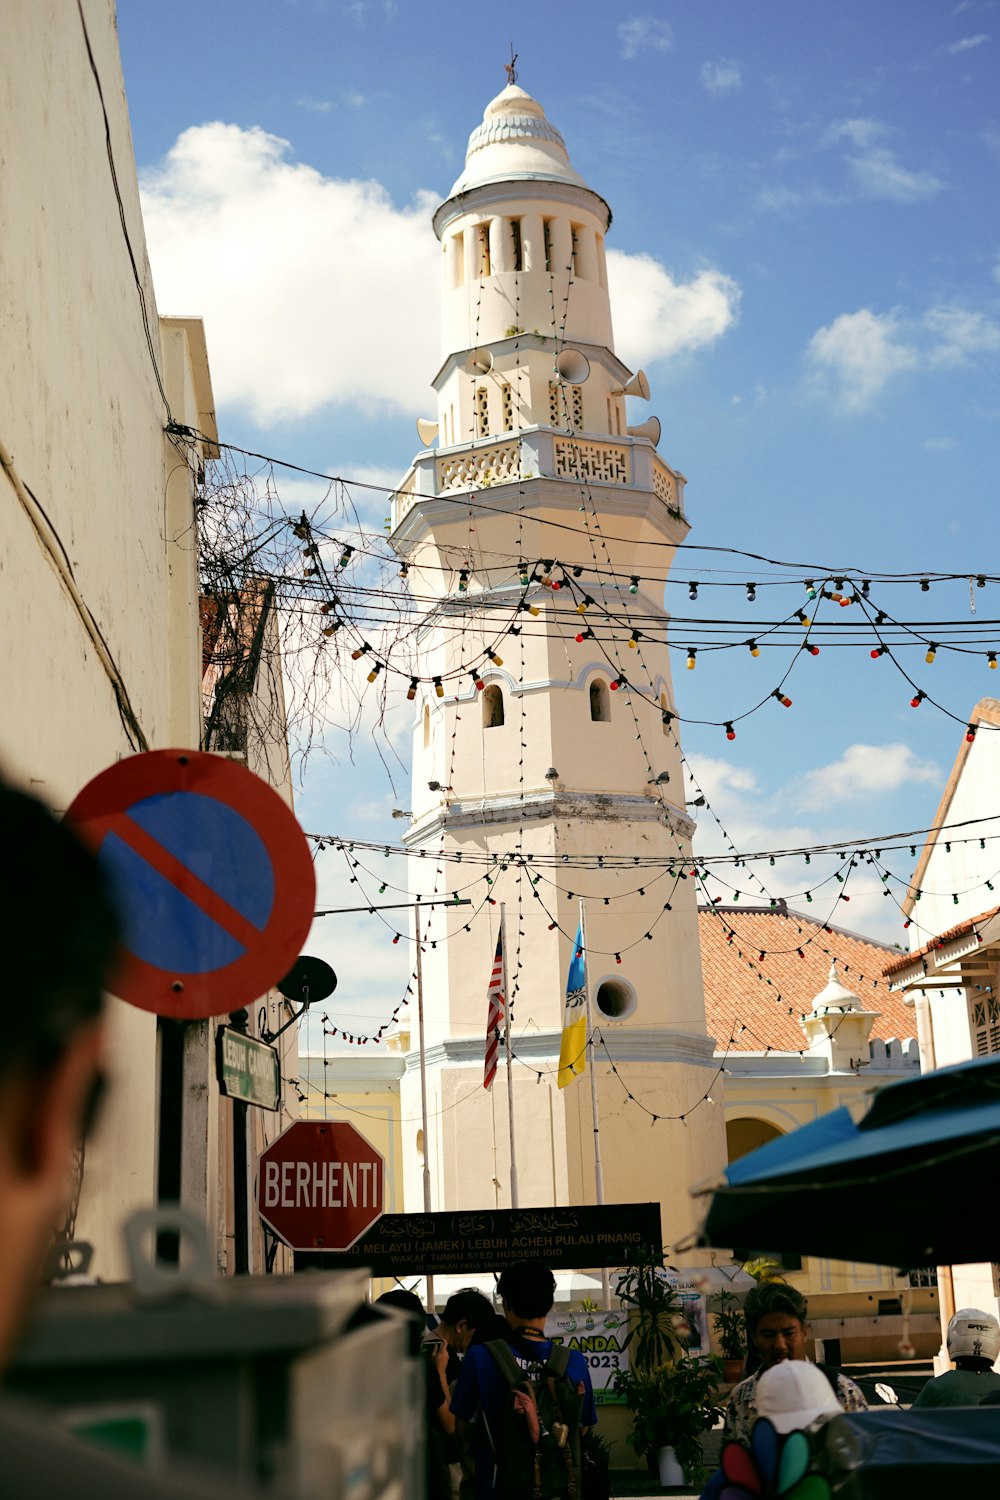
615	999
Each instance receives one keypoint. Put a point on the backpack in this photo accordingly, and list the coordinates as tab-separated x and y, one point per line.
538	1446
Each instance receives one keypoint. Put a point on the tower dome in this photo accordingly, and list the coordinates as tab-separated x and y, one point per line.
515	141
835	996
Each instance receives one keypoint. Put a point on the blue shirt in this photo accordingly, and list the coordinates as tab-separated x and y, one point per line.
482	1391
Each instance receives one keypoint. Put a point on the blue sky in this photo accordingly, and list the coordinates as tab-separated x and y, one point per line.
816	188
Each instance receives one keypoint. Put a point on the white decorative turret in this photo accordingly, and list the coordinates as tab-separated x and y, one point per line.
838	1027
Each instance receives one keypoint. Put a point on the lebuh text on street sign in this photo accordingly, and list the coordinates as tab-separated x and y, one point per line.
248	1069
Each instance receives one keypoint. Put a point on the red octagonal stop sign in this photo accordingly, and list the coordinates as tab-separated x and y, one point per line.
320	1185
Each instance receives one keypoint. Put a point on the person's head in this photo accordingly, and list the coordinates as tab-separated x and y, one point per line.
794	1394
973	1339
407	1302
776	1323
58	935
465	1314
411	1307
527	1289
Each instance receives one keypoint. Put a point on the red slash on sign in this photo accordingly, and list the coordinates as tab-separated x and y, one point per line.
212	874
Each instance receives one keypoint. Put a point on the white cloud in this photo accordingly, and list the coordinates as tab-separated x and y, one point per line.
656	316
966	43
853	359
861	131
304	280
862	771
855	356
876	170
939	444
721	77
960	334
644	34
879	174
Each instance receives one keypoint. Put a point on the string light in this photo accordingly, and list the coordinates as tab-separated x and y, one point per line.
931	654
691	658
751	593
753	648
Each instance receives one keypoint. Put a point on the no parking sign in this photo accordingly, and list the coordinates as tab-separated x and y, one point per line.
212	876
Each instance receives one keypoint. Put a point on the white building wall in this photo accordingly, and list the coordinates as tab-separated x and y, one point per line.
83	419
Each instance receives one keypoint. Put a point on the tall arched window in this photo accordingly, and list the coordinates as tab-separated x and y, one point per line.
600	702
492	707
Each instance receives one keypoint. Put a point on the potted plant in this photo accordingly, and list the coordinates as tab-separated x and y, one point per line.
595	1458
670	1393
729	1324
671	1406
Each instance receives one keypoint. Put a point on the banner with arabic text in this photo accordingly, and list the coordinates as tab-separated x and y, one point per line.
471	1243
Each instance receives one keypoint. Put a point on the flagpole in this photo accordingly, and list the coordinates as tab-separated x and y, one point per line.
423	1096
510	1067
598	1165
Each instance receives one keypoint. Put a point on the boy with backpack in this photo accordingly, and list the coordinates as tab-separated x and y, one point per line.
525	1398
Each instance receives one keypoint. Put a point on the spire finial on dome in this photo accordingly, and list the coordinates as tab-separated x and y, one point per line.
511	68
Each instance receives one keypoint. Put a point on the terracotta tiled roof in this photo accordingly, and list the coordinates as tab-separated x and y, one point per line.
736	997
904	961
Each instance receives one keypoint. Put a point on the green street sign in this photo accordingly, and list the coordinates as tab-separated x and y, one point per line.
248	1069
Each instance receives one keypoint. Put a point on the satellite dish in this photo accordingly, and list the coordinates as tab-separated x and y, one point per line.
308	980
649	429
427	431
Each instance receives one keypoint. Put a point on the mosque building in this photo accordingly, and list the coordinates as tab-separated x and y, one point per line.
536	529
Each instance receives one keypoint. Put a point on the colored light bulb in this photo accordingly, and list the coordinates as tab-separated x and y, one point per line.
991	660
754	648
692	658
633	587
730	732
411	691
931	653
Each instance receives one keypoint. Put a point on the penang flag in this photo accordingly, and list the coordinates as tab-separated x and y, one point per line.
573	1049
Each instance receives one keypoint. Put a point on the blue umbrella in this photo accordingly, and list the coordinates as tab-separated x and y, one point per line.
910	1184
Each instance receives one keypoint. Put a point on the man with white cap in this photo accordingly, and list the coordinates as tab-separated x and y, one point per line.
794	1394
973	1344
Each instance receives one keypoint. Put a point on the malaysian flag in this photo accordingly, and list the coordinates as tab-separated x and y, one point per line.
495	1021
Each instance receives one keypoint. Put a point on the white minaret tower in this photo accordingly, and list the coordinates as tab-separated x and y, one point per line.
537	536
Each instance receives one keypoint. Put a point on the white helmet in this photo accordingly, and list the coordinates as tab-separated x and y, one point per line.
973	1334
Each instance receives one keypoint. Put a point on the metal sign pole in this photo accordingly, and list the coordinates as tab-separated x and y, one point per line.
510	1061
598	1165
423	1095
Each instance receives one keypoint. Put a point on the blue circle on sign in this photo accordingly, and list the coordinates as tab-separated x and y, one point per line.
163	926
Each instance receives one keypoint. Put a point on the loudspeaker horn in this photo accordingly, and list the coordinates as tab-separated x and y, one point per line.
427	431
572	366
479	362
649	429
637	386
